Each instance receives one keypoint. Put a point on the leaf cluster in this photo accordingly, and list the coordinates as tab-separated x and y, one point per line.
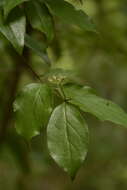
67	130
18	18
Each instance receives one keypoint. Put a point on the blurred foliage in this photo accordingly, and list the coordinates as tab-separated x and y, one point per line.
100	60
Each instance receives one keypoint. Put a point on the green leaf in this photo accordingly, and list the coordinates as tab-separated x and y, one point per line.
14	29
40	18
67	135
103	109
32	109
37	47
11	4
70	15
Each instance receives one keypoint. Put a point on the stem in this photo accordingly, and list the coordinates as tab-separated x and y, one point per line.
30	69
62	91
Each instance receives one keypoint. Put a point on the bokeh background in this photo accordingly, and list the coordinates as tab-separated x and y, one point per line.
100	60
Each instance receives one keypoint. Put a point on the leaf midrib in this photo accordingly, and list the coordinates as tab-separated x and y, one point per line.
67	133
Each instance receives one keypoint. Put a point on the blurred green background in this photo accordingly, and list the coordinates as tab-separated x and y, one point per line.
100	60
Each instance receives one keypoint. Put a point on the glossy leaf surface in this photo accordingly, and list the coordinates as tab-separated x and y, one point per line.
40	18
70	15
32	109
67	138
103	109
14	29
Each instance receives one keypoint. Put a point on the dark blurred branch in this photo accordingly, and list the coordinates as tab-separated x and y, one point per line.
12	85
21	64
